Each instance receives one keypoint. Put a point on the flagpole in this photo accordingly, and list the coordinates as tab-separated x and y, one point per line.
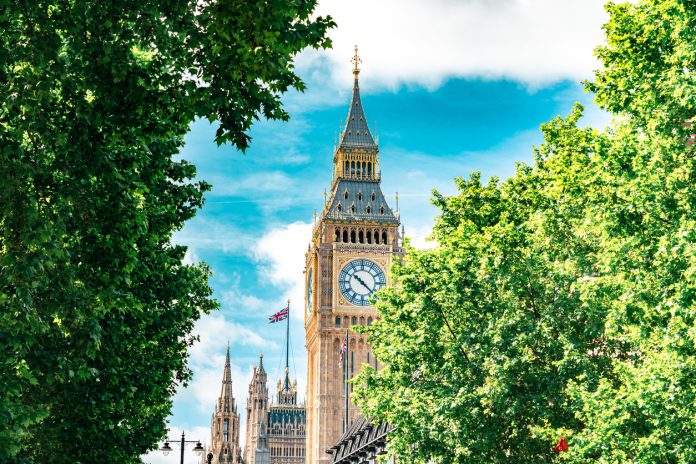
287	340
345	364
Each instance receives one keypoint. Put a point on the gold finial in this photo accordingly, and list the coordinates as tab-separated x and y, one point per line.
356	59
325	194
315	216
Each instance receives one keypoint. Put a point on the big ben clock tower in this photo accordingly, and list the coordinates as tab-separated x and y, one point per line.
353	243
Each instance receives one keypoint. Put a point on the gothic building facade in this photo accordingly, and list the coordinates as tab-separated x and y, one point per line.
353	243
224	425
275	432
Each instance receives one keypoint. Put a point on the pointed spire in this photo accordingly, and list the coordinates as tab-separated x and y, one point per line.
227	376
226	400
261	369
356	133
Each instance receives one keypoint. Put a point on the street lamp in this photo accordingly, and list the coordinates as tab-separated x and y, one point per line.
198	449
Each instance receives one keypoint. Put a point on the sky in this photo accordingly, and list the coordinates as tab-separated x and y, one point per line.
449	86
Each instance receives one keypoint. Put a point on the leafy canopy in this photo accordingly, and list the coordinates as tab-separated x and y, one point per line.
561	302
96	307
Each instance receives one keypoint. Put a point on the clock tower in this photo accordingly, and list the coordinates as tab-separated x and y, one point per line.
354	241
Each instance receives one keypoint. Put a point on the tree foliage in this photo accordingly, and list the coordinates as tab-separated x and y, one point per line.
96	307
561	302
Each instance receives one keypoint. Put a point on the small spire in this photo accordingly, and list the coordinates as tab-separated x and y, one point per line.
325	194
226	400
355	132
397	202
356	60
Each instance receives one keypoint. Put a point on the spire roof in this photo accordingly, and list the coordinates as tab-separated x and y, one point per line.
227	376
226	400
356	134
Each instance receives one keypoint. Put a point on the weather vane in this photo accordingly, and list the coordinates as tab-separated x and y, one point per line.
356	59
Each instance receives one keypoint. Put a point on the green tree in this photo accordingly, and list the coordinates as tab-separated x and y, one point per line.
560	302
96	307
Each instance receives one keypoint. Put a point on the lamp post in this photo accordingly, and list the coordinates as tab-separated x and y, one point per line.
198	449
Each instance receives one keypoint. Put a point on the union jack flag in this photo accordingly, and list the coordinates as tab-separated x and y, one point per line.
279	316
342	351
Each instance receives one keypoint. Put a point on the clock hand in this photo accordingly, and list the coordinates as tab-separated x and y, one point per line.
363	283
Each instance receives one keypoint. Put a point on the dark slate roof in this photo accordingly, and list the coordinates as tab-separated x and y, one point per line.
354	188
362	434
356	133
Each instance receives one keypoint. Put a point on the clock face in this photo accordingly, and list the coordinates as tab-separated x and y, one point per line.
359	280
310	294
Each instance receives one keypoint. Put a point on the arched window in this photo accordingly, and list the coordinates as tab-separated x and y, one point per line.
353	320
339	208
338	321
359	196
362	320
346	170
369	320
352	208
381	210
352	236
345	194
369	169
373	196
361	237
337	237
369	235
368	210
345	235
364	165
384	237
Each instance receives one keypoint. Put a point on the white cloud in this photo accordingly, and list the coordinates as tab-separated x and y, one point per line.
190	257
419	236
426	41
207	360
280	254
214	332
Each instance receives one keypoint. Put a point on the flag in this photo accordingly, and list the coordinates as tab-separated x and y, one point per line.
279	316
561	447
342	351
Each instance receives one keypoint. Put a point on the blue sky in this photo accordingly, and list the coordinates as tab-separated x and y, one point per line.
472	104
